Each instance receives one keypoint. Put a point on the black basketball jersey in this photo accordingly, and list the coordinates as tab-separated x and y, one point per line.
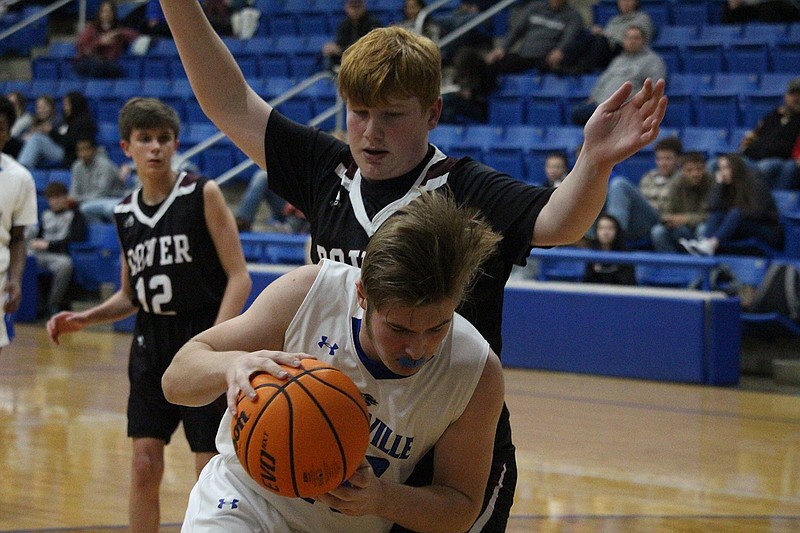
316	173
174	267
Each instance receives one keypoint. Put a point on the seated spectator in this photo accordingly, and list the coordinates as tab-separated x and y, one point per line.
639	209
556	168
222	13
24	117
770	146
148	19
357	23
411	9
24	122
743	11
538	39
480	37
740	207
469	102
53	143
609	237
599	45
636	63
686	205
60	224
101	43
285	218
95	183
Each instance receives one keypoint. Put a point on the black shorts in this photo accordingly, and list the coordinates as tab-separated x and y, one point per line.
499	495
155	342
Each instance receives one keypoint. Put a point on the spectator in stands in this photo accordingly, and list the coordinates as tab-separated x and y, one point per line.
221	14
61	224
740	207
609	237
24	122
24	117
742	11
636	63
53	143
771	146
543	31
599	45
469	102
96	182
480	37
18	210
686	205
285	217
556	168
639	209
357	23
411	9
101	43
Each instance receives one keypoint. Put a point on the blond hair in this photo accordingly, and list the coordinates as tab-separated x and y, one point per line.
390	63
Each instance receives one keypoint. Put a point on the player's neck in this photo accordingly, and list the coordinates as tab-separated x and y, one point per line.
157	187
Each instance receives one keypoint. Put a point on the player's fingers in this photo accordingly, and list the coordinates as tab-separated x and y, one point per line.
616	100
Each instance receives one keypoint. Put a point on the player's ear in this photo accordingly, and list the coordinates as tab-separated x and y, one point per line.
125	145
434	113
362	296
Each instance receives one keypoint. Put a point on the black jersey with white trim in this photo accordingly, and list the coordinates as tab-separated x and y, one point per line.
316	173
173	263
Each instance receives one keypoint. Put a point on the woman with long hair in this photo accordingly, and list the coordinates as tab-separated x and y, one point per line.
101	43
740	207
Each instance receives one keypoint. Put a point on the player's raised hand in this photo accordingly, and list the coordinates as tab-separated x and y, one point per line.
622	125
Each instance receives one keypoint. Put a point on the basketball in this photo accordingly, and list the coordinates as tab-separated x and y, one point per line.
302	436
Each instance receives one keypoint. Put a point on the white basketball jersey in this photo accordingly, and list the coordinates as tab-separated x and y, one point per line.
408	415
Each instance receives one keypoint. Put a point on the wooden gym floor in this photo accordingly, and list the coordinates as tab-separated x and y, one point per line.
594	454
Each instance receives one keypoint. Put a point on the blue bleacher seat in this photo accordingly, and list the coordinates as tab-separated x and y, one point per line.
785	56
96	261
720	33
131	66
46	68
659	12
757	104
676	34
61	175
446	135
299	108
273	64
718	109
793	32
712	141
280	24
566	137
764	32
525	137
740	83
635	166
680	111
684	12
482	136
543	110
603	12
703	57
776	81
107	133
748	56
671	54
688	83
787	201
506	109
509	161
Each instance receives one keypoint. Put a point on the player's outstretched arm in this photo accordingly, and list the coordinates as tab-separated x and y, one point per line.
462	461
118	306
216	79
224	357
618	128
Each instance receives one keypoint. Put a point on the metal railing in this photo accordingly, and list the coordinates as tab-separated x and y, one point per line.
43	13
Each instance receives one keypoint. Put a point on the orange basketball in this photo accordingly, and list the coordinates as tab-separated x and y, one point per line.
304	435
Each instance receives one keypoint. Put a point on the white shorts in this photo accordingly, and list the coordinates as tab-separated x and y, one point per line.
220	502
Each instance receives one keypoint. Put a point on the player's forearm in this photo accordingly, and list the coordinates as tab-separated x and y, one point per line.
16	267
236	292
574	205
430	509
216	79
197	375
117	307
